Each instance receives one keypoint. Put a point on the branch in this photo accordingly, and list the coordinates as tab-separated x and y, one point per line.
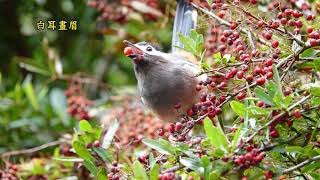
32	150
275	118
303	163
223	22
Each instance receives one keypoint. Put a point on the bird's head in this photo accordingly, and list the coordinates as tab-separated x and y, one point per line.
143	53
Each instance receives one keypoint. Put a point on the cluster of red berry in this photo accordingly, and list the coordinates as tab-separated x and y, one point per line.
252	158
169	176
114	171
113	11
77	104
10	173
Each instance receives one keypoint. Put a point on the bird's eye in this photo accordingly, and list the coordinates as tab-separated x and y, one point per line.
149	48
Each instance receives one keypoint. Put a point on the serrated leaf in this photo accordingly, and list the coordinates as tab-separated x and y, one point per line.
90	166
238	108
216	136
107	139
85	126
192	43
139	171
103	154
161	147
263	96
81	150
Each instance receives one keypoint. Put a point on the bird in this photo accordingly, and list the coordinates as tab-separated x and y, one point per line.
167	81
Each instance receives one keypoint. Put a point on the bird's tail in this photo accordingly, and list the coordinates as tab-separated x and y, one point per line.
185	20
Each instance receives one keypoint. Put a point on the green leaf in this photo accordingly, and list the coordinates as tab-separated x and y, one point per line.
311	167
107	140
271	89
192	43
238	108
59	103
296	149
313	88
90	166
310	52
28	89
276	79
263	96
193	164
154	172
81	150
236	138
216	136
85	126
159	146
152	161
103	154
68	159
102	174
205	161
139	171
317	64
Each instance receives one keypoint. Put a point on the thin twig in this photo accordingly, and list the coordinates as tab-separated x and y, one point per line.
32	150
303	163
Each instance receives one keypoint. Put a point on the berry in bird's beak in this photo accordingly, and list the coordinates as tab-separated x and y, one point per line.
127	51
132	51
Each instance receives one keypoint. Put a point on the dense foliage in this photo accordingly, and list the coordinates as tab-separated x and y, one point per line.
257	116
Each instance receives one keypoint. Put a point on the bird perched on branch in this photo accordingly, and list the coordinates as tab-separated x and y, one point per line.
167	81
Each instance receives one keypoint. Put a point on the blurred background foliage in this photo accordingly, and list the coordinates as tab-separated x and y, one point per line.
33	107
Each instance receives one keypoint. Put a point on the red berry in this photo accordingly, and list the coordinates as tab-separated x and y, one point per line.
313	42
240	74
292	22
288	12
269	75
289	123
268	174
267	35
260	23
274	134
233	25
221	14
177	105
253	1
269	62
241	95
297	114
96	143
171	128
299	24
244	178
179	126
127	51
161	132
309	29
284	21
249	78
296	14
275	44
257	70
260	81
198	87
260	103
